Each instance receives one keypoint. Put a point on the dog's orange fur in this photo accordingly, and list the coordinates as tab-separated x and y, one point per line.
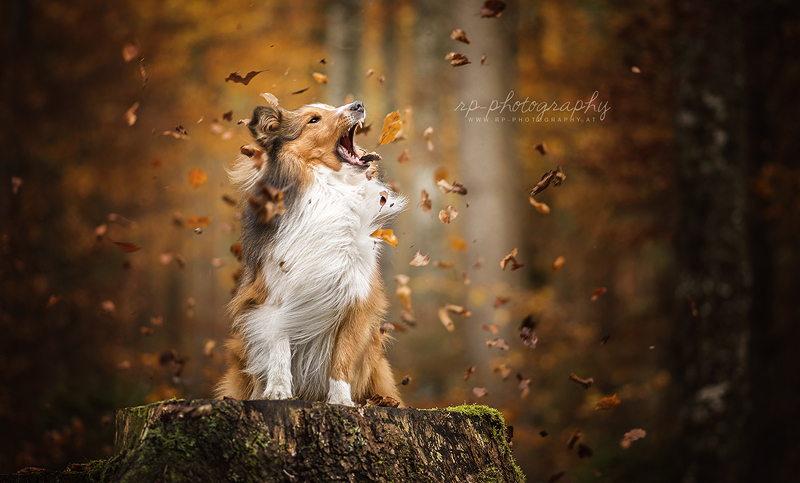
358	353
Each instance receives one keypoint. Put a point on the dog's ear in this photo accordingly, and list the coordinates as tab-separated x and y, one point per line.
266	121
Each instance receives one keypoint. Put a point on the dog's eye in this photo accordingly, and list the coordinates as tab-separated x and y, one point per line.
314	120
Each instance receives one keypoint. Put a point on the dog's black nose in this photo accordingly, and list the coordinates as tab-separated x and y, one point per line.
357	106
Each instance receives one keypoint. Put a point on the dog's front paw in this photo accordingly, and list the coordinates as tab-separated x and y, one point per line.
278	391
339	393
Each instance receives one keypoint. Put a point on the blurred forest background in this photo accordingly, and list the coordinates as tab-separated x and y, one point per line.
677	223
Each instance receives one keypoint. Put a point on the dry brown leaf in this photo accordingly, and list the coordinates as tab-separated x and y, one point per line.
526	333
459	244
391	126
469	372
576	436
208	347
557	264
483	59
425	202
636	70
584	451
157	321
427	135
511	257
503	370
446	187
195	221
499	343
541	147
465	277
108	307
607	402
597	293
555	176
492	8
491	328
386	235
127	247
236	78
130	114
146	331
300	91
54	299
441	264
632	436
270	98
459	35
370	72
524	386
445	319
480	391
406	380
500	300
130	50
404	157
16	182
585	383
457	59
447	214
540	207
176	135
197	177
458	310
404	294
419	260
320	78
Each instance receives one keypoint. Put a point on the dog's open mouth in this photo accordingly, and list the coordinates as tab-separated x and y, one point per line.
346	148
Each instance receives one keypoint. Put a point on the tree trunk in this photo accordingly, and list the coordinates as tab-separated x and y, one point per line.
713	273
296	441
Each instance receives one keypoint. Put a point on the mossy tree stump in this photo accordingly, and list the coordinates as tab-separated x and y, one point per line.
297	441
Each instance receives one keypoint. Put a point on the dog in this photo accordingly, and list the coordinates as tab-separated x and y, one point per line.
310	300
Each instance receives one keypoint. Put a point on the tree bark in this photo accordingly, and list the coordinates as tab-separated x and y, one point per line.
296	441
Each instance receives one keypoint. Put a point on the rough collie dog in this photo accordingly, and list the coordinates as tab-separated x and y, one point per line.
310	301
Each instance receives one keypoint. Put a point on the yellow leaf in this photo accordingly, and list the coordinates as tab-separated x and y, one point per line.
320	78
385	235
391	126
540	207
197	177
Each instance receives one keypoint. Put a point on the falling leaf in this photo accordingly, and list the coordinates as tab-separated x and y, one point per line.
320	78
445	319
557	264
385	235
526	333
427	135
459	35
157	321
692	306
229	200
130	114
268	203
607	402
440	173
146	331
540	207
457	59
543	433
585	383
541	147
465	278
458	244
419	260
197	221
300	91
511	257
403	291
499	343
480	391
445	265
124	365
383	401
121	220
408	318
483	59
16	182
632	436
142	72
597	293
127	247
54	299
166	257
236	249
176	135
384	195
100	231
406	380
387	327
227	116
446	187
270	98
130	50
197	177
425	202
492	8
503	370
636	70
457	309
370	72
236	78
500	300
524	387
576	436
584	451
491	328
555	176
108	307
208	347
447	214
391	126
469	372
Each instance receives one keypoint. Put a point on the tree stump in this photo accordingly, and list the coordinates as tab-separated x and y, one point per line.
297	441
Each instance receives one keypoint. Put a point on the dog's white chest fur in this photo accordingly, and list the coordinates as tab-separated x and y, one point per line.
320	261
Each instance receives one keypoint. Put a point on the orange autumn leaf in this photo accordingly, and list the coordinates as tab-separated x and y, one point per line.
320	78
391	126
557	264
128	247
607	402
197	177
447	214
540	207
386	235
195	221
425	202
598	292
